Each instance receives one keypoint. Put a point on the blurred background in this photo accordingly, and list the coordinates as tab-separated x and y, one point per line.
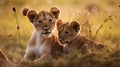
99	19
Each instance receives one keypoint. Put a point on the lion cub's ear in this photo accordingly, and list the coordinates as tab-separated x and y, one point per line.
55	11
30	14
59	22
75	25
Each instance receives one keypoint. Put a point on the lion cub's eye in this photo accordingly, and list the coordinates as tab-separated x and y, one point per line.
50	20
40	21
66	32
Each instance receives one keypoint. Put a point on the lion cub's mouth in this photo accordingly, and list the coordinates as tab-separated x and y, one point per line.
64	42
46	32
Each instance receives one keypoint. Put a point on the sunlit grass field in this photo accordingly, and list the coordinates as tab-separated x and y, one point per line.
99	19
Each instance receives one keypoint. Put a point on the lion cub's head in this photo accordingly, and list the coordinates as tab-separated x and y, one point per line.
67	31
44	22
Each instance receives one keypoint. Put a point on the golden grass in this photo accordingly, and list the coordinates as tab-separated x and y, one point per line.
93	16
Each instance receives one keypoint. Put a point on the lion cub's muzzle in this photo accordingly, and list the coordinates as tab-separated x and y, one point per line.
63	41
46	31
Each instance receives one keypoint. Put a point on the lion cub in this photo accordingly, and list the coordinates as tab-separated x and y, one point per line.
71	39
42	44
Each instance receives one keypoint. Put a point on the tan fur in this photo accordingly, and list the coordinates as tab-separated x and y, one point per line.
70	37
42	44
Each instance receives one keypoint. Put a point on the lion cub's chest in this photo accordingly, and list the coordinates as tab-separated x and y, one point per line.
42	45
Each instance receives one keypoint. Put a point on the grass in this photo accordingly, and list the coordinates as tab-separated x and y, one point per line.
93	17
76	59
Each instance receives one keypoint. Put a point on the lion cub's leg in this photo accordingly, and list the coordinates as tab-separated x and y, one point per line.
31	51
44	57
30	56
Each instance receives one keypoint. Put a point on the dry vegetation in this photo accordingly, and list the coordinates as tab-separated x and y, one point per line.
100	21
